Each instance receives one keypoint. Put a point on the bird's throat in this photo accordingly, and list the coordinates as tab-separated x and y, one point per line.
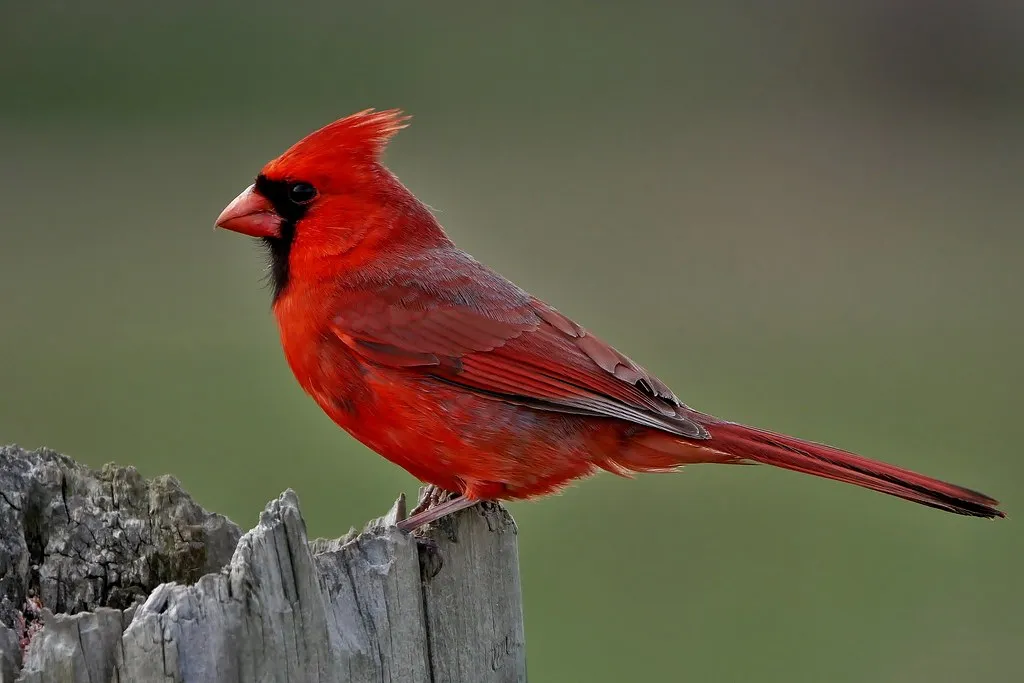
278	252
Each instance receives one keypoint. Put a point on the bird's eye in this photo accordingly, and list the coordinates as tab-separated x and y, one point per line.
301	193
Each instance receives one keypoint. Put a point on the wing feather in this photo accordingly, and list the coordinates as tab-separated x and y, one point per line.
479	331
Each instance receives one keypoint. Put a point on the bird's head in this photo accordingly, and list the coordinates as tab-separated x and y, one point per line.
327	195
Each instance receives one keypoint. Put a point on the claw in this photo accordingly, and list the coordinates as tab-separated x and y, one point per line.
422	515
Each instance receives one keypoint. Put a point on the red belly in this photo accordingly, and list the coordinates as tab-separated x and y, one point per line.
468	442
462	441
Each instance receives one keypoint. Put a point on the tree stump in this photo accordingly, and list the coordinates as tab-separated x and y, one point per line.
107	577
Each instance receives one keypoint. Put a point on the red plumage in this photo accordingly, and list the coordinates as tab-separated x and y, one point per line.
459	376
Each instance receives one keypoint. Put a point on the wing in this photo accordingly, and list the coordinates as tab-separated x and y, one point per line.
452	319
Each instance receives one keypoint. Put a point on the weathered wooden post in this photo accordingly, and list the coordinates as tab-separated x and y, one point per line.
105	576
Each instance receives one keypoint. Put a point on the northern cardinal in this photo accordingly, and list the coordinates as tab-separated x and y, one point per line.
454	373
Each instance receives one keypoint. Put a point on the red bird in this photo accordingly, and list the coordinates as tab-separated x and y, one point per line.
454	373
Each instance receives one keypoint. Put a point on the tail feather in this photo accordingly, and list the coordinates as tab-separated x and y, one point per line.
832	463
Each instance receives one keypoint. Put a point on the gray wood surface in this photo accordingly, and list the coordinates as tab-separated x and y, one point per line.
159	589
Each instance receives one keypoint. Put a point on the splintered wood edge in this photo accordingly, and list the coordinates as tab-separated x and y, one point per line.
468	617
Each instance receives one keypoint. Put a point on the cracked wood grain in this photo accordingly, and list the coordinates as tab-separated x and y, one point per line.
378	606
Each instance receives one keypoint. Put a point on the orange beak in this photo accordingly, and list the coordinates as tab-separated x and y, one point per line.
250	214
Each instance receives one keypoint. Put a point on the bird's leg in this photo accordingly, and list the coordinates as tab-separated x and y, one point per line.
432	495
435	504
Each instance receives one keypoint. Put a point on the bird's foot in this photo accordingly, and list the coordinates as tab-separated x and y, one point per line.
430	496
434	504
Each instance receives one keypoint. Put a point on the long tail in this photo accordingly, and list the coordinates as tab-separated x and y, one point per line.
820	460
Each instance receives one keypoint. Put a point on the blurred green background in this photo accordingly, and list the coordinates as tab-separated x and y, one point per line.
802	215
